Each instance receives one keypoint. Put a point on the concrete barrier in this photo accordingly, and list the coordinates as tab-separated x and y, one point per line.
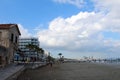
15	75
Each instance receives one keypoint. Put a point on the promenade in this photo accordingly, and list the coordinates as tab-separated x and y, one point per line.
10	70
72	71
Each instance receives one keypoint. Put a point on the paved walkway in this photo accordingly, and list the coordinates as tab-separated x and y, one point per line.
72	71
9	71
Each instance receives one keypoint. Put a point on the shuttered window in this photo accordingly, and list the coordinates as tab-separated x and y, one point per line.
0	35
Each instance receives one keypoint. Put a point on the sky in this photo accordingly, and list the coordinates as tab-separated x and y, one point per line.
75	28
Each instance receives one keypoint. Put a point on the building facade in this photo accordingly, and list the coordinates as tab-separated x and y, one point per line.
9	35
28	54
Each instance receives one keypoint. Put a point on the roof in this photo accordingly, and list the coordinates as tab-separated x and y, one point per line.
7	26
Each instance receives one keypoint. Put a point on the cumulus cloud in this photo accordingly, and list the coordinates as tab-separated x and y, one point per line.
84	32
112	19
24	31
72	30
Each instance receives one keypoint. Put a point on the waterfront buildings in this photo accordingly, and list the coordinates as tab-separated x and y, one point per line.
9	35
29	55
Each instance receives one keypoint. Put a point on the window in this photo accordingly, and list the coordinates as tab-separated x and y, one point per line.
16	39
0	60
0	35
12	37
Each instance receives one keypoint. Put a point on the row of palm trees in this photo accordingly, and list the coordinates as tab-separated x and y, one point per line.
35	48
39	50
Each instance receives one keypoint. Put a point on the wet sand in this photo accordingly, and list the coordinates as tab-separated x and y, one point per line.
73	71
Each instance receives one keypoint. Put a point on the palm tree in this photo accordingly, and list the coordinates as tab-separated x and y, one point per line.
35	48
60	54
31	47
38	50
41	52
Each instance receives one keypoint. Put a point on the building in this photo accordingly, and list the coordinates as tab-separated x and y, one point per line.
28	54
45	55
9	35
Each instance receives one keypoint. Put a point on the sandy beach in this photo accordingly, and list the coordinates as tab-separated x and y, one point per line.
73	71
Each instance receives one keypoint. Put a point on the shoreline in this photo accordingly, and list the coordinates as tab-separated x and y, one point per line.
109	64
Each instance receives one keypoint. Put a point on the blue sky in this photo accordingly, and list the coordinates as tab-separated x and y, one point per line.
75	28
33	13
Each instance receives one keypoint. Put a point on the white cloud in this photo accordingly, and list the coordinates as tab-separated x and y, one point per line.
24	31
69	30
112	19
78	3
83	32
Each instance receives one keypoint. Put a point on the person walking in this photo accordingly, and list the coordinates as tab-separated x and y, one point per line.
51	63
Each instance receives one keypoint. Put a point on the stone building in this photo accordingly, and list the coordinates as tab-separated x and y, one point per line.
9	35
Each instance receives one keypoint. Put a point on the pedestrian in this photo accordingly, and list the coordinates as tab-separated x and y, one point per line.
51	63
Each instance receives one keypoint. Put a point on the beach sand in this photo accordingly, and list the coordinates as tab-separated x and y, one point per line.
73	71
